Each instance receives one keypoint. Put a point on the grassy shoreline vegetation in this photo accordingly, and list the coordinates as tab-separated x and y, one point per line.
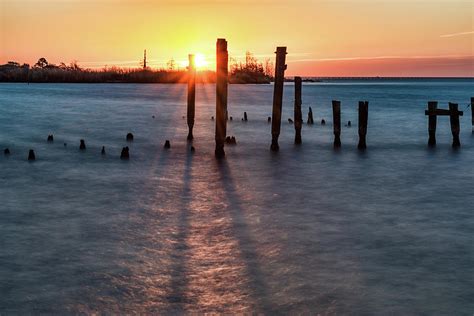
249	72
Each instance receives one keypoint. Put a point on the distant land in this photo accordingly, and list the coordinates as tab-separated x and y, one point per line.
249	72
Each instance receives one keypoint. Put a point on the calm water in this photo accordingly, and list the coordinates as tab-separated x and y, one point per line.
307	230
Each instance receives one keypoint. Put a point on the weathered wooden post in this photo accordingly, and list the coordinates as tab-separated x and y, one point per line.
298	115
280	68
432	118
336	113
454	119
472	113
363	118
222	58
191	95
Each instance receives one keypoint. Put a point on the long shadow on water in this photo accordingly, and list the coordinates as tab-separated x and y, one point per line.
246	244
179	278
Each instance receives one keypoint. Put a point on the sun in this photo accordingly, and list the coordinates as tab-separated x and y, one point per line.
200	61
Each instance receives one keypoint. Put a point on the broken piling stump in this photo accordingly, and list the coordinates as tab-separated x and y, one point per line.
298	115
31	155
222	59
269	119
245	117
280	68
363	118
125	154
336	113
310	120
191	95
167	144
82	145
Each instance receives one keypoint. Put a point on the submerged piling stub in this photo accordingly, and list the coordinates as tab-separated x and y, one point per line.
280	68
310	117
432	120
125	154
298	115
363	118
454	119
191	95
336	113
31	155
222	58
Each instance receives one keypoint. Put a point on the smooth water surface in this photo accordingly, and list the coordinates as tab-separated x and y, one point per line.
308	230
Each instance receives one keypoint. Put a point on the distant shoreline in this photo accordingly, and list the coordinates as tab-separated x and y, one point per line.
288	79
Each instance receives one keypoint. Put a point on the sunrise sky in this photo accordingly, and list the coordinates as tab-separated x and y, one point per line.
324	37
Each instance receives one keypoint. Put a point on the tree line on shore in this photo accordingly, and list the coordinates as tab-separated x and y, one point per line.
250	71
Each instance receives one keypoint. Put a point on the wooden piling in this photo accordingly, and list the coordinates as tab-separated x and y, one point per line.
222	58
472	113
363	118
191	95
298	115
432	119
280	68
455	128
336	113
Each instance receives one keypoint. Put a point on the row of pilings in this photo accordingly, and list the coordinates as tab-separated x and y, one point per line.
280	67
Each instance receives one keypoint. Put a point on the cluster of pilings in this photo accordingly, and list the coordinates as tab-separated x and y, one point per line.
433	112
221	116
124	155
275	120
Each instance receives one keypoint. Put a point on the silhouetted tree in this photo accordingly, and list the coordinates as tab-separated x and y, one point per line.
171	64
41	63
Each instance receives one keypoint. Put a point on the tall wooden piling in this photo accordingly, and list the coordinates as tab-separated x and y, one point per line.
472	113
363	118
191	95
454	119
298	115
222	58
336	113
432	119
280	68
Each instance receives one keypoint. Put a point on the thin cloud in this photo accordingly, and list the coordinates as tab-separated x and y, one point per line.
379	57
457	34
